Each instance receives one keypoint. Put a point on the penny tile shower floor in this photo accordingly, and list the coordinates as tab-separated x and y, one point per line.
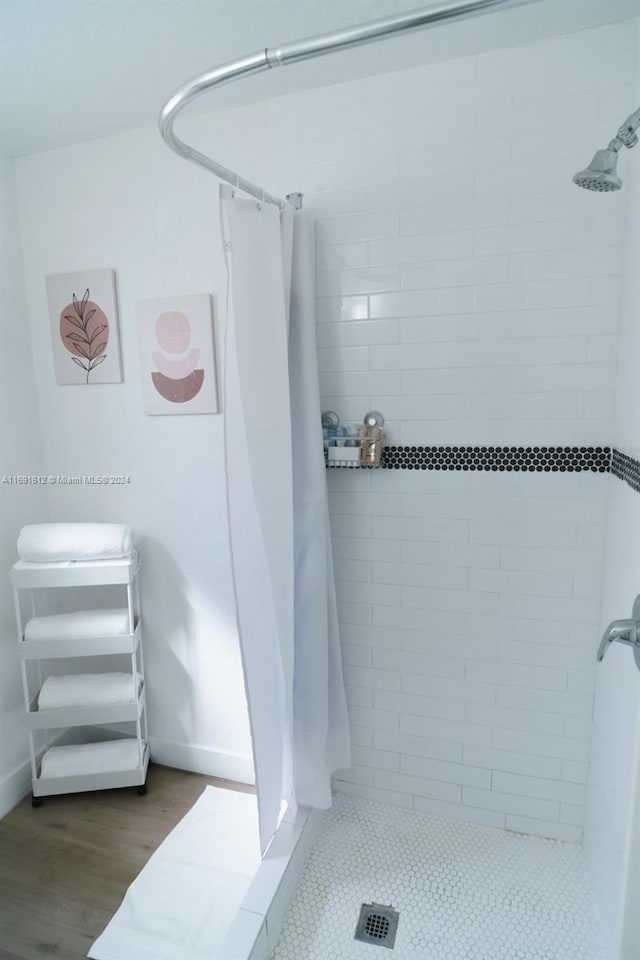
464	891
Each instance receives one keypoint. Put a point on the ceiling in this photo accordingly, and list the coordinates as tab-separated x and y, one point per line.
74	70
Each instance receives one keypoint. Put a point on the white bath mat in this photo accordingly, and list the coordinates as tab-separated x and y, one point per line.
182	903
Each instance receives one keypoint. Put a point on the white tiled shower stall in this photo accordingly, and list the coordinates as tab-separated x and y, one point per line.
471	293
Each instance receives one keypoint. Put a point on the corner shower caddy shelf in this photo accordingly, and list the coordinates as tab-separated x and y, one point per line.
34	576
350	447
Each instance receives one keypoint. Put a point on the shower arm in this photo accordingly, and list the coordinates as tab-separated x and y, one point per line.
626	135
291	53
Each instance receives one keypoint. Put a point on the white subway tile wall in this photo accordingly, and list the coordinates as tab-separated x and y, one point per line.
470	668
468	290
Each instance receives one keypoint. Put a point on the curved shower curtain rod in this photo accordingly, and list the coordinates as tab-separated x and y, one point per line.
291	53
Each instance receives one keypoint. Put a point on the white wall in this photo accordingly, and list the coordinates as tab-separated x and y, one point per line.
20	455
127	203
469	291
614	790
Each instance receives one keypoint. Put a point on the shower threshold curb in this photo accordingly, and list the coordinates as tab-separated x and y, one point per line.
256	926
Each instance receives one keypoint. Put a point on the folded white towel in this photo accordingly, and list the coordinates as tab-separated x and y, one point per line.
77	626
56	542
87	690
105	757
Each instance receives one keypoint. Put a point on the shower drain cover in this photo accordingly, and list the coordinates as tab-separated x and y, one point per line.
377	924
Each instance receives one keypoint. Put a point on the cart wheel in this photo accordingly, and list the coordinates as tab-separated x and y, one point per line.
36	801
142	789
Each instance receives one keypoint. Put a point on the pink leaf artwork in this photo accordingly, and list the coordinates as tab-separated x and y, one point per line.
81	323
83	317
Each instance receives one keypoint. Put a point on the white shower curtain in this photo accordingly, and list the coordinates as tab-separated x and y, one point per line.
278	518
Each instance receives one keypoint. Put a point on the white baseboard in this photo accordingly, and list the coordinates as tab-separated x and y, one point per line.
198	759
14	787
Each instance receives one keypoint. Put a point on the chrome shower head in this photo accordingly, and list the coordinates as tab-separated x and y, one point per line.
601	173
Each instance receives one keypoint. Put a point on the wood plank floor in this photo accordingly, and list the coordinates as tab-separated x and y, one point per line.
65	867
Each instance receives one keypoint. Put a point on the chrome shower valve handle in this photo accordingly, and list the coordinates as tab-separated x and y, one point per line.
623	631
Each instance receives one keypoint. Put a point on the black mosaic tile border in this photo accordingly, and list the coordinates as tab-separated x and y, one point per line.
511	460
626	468
499	459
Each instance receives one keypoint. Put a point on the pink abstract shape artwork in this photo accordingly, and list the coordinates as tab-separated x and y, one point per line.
176	352
179	381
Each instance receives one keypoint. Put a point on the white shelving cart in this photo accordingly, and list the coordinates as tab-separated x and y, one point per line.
53	637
